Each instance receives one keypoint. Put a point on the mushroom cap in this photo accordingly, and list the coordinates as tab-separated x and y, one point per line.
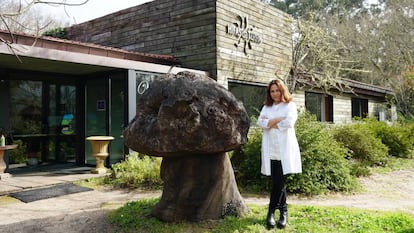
184	114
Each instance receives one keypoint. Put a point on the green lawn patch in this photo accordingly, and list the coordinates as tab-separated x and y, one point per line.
135	217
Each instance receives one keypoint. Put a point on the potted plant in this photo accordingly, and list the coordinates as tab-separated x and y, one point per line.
33	154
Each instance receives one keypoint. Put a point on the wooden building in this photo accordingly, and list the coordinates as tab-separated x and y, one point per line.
61	91
241	44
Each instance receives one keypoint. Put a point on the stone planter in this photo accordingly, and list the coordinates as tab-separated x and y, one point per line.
100	151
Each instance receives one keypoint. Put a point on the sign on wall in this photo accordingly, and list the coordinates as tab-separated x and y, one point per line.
244	34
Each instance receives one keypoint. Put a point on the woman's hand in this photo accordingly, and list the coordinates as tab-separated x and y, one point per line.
273	122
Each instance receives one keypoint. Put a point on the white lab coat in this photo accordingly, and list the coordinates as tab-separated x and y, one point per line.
288	143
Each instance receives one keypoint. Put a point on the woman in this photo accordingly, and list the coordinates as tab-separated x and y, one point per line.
280	148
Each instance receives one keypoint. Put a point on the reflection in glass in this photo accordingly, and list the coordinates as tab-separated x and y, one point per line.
96	116
144	81
26	107
251	96
26	116
117	119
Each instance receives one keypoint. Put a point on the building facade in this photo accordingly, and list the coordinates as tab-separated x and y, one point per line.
56	93
241	44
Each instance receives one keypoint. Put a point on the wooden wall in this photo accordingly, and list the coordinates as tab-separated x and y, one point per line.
270	53
342	112
241	40
195	32
183	28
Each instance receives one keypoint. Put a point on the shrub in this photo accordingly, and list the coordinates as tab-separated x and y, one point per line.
409	132
364	145
137	171
325	167
18	155
57	33
247	164
398	137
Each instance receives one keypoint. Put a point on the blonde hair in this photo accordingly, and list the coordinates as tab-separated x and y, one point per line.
286	96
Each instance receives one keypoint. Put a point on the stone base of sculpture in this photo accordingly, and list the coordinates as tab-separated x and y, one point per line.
198	187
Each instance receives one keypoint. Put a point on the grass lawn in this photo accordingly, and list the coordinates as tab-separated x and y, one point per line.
135	217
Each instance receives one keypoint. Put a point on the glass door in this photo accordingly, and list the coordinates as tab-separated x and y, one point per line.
117	116
26	118
60	124
43	119
105	114
96	113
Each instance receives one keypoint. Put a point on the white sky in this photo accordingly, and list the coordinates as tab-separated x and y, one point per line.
94	9
91	10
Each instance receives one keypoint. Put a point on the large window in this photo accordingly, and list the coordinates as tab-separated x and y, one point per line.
252	96
359	107
43	118
26	107
321	105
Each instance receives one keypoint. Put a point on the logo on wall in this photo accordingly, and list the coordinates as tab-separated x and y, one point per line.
246	35
142	87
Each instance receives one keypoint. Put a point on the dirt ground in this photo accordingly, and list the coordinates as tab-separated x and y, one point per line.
391	191
85	222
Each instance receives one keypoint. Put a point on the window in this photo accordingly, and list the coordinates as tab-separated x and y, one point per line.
359	107
251	95
320	105
143	81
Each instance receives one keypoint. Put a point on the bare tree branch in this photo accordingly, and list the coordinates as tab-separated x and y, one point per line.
21	16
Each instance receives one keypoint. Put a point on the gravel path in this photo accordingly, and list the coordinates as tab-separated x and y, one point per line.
391	191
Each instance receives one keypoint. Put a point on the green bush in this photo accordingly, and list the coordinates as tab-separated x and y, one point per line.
137	171
409	132
247	164
19	154
398	137
363	143
56	32
325	167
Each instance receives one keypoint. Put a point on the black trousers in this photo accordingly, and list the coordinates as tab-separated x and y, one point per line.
278	193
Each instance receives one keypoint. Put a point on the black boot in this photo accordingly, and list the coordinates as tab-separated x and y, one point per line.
270	220
282	219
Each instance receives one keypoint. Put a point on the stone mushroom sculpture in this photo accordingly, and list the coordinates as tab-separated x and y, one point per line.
191	121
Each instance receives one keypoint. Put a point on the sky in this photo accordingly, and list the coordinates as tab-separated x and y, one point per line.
91	10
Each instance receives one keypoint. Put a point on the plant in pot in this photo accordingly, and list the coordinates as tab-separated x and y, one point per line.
8	136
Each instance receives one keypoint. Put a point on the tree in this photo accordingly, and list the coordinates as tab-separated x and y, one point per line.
350	39
27	17
381	40
321	57
403	86
24	17
306	8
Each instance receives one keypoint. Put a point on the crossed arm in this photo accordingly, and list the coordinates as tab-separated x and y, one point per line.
274	121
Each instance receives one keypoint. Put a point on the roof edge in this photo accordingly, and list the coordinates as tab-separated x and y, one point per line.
85	48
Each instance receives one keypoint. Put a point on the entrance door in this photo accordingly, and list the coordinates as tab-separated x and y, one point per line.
105	114
43	118
96	113
60	123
